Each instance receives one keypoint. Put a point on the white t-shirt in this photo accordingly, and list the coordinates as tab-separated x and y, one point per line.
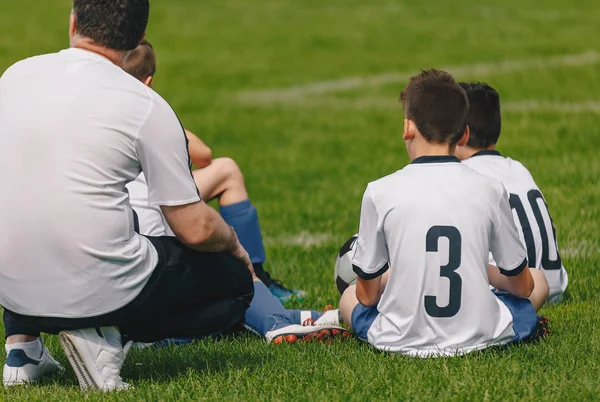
151	219
74	130
531	216
435	222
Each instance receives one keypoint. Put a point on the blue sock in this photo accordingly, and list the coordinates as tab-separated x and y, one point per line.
299	316
266	312
243	217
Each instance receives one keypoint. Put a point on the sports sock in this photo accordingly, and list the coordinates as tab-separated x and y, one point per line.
299	316
33	349
266	312
243	217
263	275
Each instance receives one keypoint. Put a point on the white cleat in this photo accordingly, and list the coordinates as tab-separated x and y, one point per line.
329	317
307	332
96	355
21	369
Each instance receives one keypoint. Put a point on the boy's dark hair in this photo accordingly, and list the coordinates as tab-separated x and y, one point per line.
141	62
115	24
437	105
484	114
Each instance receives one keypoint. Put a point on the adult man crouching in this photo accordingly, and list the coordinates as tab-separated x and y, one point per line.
70	260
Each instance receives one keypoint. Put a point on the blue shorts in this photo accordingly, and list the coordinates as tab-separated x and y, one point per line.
523	313
362	319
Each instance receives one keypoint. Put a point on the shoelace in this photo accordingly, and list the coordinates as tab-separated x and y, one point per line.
309	322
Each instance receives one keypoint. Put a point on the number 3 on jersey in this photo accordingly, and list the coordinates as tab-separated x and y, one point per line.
447	271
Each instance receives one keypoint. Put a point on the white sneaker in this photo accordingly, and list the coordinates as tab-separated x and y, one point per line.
96	355
20	368
329	317
303	333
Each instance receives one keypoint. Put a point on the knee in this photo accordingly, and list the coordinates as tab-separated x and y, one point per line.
347	304
230	170
240	278
540	283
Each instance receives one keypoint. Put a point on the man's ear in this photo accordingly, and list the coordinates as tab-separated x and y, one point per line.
465	137
72	25
409	130
148	81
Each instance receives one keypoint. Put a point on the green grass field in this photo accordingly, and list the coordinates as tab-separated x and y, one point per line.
303	95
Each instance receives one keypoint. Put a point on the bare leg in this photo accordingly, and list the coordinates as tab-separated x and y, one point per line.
347	304
221	179
349	300
20	338
541	289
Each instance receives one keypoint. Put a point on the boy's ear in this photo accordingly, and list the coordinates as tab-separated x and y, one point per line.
72	25
148	81
409	130
465	137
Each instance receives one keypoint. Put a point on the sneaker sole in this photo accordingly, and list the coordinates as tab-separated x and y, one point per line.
324	335
85	379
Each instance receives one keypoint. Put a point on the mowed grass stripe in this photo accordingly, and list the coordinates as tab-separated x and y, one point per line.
344	84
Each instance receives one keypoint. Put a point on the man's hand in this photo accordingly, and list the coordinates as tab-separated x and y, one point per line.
241	254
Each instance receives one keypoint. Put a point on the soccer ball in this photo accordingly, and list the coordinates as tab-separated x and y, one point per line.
343	272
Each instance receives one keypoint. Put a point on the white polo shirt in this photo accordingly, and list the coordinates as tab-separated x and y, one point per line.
435	222
74	130
531	215
150	218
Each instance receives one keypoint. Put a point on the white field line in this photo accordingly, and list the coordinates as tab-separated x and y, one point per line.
382	103
558	107
298	92
302	239
585	249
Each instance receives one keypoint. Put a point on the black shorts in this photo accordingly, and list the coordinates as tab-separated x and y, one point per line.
190	294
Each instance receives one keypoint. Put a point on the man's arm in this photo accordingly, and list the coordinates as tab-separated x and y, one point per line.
200	154
164	159
201	228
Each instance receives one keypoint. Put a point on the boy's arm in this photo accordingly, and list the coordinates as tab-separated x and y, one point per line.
512	274
520	285
368	292
370	260
200	154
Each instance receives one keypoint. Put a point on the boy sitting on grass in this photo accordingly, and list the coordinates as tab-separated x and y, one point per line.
433	223
532	215
219	178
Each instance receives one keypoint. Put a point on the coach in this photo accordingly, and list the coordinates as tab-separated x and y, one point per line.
74	130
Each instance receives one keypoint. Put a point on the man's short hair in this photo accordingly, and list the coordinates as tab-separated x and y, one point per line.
437	105
115	24
484	114
141	62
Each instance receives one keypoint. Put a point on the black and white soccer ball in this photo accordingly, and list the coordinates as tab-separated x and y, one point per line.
343	272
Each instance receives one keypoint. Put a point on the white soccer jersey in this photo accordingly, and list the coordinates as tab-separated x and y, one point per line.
531	216
74	130
150	218
435	222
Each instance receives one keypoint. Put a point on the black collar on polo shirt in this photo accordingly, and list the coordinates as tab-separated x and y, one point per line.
435	159
484	152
